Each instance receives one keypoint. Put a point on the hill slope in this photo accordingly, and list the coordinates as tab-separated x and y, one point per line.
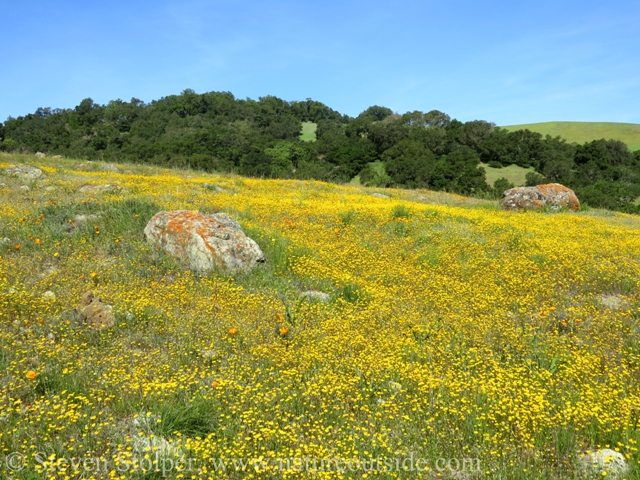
581	132
453	330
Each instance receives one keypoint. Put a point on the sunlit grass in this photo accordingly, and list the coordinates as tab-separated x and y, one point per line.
581	132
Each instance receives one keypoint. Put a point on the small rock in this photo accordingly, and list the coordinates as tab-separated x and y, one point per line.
611	301
93	313
109	168
395	386
606	460
379	195
209	353
51	337
130	317
84	217
100	188
40	155
49	295
57	156
3	185
50	188
6	241
316	295
24	171
212	186
24	188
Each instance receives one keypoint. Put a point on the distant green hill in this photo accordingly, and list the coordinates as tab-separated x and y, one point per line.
581	132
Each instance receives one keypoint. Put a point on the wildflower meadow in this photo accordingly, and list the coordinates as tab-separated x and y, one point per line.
458	340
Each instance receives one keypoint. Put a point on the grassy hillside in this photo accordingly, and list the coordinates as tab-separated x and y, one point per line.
581	132
308	131
514	173
503	343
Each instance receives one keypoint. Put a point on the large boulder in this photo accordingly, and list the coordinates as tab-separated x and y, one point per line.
24	171
204	241
553	195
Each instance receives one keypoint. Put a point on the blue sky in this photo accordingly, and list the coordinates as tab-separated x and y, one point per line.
506	62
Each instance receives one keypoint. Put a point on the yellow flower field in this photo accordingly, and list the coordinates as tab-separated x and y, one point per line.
485	343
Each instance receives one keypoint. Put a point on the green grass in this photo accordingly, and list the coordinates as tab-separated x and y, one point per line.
378	165
308	132
581	132
513	173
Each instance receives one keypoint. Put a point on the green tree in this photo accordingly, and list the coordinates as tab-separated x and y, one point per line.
500	186
375	175
409	163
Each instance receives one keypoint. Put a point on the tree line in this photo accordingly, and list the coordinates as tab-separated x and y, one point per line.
217	132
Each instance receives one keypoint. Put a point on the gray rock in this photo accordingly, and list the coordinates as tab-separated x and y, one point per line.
40	155
24	171
211	186
379	195
315	295
49	295
24	188
83	217
110	167
606	460
613	302
6	241
100	188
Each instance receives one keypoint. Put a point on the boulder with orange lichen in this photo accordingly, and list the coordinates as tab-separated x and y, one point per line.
551	195
204	241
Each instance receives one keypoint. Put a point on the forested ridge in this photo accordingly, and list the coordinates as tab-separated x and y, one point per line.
217	132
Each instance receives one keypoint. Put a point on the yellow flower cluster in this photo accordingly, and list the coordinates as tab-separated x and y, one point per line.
453	329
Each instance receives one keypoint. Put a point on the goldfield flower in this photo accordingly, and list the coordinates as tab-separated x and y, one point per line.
461	330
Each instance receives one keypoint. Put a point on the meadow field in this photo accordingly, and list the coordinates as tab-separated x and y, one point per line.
581	132
514	173
459	341
308	131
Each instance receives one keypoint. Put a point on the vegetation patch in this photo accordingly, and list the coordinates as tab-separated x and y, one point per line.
424	325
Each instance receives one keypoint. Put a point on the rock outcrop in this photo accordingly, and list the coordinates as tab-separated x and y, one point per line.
24	171
553	195
204	241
